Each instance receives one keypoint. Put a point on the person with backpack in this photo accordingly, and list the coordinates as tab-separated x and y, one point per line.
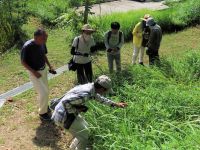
82	48
140	38
67	109
113	40
154	41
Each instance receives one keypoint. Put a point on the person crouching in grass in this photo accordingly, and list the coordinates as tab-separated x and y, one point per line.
67	111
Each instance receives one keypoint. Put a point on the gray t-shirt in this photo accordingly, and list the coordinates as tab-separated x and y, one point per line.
113	41
83	47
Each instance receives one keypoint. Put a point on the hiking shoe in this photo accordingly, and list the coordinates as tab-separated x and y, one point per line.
45	117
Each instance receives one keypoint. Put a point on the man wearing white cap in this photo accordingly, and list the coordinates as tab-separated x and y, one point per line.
154	41
67	111
82	48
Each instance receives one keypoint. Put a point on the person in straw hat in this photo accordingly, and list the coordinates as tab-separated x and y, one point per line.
82	47
68	108
140	38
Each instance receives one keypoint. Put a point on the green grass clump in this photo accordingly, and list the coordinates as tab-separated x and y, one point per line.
162	113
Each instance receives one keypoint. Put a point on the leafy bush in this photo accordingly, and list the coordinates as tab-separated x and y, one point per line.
13	15
47	10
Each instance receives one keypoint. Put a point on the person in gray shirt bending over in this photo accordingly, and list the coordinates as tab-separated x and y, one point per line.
67	109
114	39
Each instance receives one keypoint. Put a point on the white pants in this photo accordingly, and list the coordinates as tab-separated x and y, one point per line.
79	130
135	54
41	87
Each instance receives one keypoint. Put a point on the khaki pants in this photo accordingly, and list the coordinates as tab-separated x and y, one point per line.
42	89
79	130
136	52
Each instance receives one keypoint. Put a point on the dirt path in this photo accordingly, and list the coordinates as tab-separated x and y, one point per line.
24	131
125	5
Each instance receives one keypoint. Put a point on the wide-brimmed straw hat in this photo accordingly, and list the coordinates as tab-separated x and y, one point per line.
146	16
87	27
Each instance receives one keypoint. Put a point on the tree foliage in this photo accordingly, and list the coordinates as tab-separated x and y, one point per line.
12	15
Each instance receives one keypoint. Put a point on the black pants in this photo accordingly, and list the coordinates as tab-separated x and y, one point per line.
84	73
153	57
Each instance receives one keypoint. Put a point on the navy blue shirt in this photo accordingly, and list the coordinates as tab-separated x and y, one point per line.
34	55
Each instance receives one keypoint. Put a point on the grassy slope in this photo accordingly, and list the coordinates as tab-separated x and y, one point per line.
13	74
24	108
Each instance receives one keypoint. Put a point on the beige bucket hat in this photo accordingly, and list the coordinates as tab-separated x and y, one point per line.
146	16
87	27
105	82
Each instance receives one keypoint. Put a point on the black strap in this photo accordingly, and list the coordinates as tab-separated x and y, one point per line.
77	44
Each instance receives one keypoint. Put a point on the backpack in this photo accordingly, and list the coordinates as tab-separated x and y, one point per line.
109	35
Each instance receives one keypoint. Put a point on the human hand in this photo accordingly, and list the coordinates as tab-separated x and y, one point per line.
121	104
52	71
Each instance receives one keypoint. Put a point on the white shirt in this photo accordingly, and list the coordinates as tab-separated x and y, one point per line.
83	47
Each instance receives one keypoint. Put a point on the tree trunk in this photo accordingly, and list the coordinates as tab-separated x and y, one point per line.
86	12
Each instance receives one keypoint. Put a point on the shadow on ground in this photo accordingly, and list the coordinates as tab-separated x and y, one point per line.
48	135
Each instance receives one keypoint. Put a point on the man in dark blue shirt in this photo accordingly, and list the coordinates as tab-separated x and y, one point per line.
33	58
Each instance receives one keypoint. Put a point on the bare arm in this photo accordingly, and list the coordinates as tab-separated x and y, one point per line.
51	69
47	62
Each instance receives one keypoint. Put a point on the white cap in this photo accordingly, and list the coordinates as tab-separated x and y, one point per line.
105	82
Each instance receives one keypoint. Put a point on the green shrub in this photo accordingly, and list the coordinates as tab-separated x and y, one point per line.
47	10
13	15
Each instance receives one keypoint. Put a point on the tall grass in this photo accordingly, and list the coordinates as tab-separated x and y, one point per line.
162	113
177	17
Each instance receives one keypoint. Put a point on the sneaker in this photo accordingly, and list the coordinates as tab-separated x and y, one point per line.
45	117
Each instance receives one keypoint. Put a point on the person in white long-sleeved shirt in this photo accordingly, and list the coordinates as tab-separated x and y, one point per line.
67	111
113	40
